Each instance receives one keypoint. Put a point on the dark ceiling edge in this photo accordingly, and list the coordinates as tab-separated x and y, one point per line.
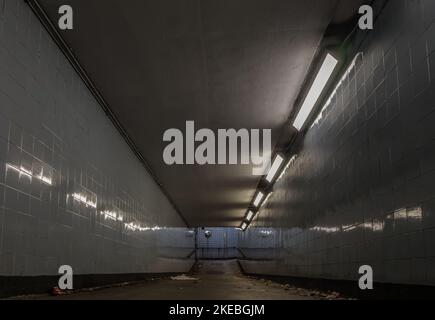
66	50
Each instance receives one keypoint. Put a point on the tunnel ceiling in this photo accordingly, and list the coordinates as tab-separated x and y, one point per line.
222	63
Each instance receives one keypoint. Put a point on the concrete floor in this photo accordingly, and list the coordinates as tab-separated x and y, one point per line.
212	279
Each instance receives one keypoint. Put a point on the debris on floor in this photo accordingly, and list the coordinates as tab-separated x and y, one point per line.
184	277
287	287
329	295
56	291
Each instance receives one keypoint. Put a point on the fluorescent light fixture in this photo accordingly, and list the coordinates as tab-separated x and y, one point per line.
258	199
244	226
274	168
250	216
328	102
316	90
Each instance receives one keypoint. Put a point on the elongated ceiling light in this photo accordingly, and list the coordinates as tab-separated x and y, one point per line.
258	198
244	226
250	216
274	168
322	78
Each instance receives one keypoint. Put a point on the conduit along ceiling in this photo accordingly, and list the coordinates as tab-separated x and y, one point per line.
220	63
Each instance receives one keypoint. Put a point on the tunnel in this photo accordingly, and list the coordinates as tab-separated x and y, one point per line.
217	150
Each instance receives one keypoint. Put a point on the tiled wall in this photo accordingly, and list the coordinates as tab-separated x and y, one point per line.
362	189
222	244
71	191
220	238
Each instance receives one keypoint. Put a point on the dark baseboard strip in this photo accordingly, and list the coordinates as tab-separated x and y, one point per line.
14	286
217	259
350	289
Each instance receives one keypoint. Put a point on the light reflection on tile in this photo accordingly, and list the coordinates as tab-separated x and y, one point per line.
61	185
28	173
